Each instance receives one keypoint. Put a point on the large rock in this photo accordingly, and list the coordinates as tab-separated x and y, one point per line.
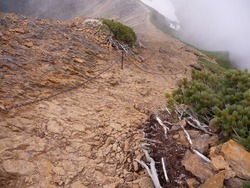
238	158
197	166
18	167
201	143
215	181
234	183
217	161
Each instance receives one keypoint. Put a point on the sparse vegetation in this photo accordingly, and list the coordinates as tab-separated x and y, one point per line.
121	32
222	58
224	94
246	184
212	67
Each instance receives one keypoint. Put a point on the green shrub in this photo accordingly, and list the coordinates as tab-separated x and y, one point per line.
121	32
246	184
225	95
221	57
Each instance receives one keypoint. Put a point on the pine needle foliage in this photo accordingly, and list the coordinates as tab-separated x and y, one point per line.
225	95
121	32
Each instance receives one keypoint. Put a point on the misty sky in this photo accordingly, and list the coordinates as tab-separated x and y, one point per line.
214	25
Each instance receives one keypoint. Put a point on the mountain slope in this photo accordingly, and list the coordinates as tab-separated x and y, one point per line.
73	119
132	12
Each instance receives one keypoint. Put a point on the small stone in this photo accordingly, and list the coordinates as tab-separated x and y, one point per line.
238	158
218	163
136	166
54	127
183	123
126	145
19	30
146	182
77	184
18	167
183	140
59	171
176	136
78	60
28	44
213	127
229	173
192	183
130	177
175	127
213	140
201	143
196	66
215	181
114	146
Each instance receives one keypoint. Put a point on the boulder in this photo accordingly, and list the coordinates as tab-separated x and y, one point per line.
234	183
197	166
215	181
238	158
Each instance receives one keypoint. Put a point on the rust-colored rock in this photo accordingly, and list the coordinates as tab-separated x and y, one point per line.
201	143
197	166
237	157
28	44
192	183
229	173
234	183
213	127
218	162
18	167
215	181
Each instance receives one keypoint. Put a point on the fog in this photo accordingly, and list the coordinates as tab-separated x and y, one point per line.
216	25
167	10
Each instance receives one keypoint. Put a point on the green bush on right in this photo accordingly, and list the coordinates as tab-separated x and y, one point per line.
225	95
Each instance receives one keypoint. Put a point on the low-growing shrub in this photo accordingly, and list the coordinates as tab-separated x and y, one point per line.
246	184
225	95
121	31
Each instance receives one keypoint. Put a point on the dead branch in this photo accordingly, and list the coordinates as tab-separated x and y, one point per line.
152	170
168	110
197	124
201	156
187	135
164	169
165	128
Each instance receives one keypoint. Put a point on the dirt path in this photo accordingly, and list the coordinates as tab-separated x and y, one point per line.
87	137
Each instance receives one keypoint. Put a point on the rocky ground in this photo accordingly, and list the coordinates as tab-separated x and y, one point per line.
71	117
59	127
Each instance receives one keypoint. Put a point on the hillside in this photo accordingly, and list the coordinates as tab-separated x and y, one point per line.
69	114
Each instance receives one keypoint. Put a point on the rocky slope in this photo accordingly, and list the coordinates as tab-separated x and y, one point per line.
72	119
132	12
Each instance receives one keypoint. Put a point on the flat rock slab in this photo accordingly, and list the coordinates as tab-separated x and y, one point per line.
197	166
18	167
238	158
215	181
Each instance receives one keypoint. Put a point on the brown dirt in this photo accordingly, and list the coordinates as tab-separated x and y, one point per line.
168	148
88	136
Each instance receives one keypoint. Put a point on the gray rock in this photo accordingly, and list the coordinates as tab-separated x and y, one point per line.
18	167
